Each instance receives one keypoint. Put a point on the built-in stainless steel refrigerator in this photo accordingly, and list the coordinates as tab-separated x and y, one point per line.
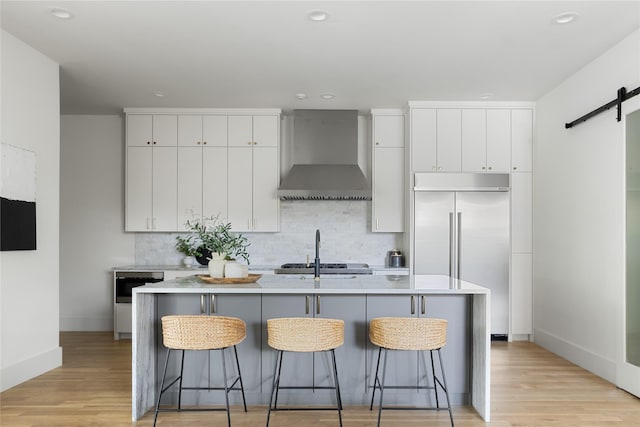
461	230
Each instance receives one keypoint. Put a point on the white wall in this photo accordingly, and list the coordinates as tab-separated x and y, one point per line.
578	213
92	237
29	285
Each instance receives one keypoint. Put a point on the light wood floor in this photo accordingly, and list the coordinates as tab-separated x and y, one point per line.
531	387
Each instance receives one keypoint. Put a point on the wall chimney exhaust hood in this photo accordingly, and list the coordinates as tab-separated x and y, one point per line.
325	158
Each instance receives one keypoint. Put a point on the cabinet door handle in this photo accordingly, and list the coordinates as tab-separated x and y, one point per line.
254	223
204	142
154	143
423	304
147	223
317	304
377	224
514	168
490	168
198	142
377	143
213	303
202	304
306	305
148	142
249	223
153	223
249	143
413	304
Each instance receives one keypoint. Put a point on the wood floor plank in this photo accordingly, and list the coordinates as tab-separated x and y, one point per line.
530	387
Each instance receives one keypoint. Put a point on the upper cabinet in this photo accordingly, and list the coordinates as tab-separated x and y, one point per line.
387	207
471	139
521	140
185	166
436	139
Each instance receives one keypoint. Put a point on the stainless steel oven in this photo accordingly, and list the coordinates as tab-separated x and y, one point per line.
127	280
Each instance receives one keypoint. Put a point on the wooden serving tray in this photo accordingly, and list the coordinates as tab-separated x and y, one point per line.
252	278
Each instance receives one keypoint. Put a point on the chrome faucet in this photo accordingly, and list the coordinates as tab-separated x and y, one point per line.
316	262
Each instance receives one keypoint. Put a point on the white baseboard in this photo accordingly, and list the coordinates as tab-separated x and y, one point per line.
27	369
582	357
85	324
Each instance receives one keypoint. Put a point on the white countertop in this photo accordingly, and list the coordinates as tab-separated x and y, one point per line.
330	284
197	269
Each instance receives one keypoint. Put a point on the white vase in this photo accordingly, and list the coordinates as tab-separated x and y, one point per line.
216	265
235	269
188	261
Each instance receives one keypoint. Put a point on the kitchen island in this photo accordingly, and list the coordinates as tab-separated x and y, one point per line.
356	299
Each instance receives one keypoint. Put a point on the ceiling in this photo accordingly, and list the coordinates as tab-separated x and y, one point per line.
369	54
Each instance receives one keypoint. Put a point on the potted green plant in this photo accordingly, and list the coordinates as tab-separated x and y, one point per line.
212	238
187	246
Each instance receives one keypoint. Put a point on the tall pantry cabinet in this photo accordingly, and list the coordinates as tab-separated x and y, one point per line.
482	137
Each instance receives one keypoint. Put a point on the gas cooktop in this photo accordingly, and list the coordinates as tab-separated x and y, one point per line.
325	268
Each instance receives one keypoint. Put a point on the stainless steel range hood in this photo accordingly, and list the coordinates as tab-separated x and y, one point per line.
325	158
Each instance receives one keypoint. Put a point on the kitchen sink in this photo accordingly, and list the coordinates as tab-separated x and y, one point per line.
325	268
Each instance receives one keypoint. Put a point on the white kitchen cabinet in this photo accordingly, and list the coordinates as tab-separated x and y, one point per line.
388	190
261	131
189	185
521	294
388	131
449	140
521	140
423	139
387	207
138	192
253	173
151	183
486	137
436	139
266	205
165	189
202	166
151	189
214	181
521	212
474	140
498	140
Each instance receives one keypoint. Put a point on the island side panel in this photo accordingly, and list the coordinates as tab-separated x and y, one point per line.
143	356
481	364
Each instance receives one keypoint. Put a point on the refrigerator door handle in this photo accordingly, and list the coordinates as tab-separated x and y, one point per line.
450	244
459	246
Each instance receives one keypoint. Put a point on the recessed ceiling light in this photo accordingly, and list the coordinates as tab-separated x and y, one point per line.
301	95
486	96
327	96
565	18
318	15
58	12
160	94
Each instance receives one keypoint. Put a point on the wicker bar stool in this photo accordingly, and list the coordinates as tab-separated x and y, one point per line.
409	333
306	335
201	333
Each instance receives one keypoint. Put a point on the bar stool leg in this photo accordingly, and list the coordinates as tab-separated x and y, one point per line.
375	379
226	389
180	384
275	404
164	374
446	388
433	372
384	371
244	402
335	376
275	383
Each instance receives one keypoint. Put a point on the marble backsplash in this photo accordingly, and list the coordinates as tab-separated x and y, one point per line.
345	229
